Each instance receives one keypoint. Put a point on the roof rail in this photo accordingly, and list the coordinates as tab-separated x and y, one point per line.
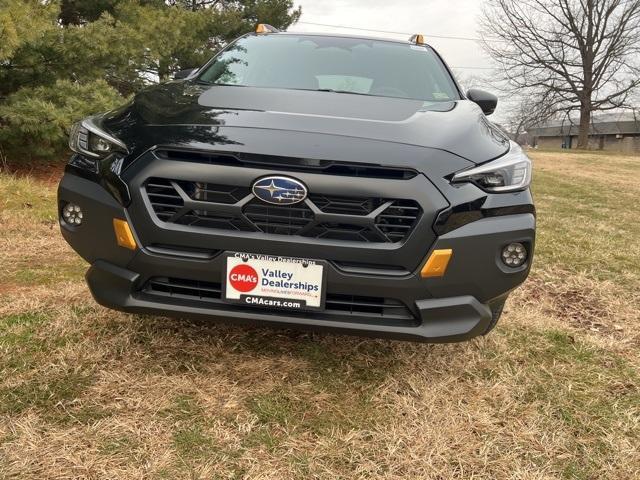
266	28
418	39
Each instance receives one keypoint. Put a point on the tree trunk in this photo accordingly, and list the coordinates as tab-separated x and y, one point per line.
163	70
585	123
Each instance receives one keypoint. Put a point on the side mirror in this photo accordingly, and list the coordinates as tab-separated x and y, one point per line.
485	100
179	75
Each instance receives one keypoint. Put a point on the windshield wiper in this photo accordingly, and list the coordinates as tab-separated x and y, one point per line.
214	84
329	90
333	90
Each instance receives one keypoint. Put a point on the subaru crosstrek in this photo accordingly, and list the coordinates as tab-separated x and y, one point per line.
307	181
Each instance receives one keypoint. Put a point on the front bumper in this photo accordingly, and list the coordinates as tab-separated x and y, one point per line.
442	320
455	307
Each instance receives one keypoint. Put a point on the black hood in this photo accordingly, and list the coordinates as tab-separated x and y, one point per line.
172	112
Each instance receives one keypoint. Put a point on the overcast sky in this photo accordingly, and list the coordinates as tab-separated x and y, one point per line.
457	18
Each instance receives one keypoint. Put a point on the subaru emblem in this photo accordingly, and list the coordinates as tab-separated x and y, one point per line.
279	190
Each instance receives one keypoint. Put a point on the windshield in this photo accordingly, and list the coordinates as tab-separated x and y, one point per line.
345	65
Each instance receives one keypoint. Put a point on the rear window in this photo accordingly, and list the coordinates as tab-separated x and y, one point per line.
348	65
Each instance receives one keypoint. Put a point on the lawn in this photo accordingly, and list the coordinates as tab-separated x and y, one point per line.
553	392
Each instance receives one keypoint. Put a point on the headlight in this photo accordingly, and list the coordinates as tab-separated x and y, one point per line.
87	139
509	173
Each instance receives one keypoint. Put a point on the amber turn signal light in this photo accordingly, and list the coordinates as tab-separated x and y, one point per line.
437	264
124	235
266	28
418	39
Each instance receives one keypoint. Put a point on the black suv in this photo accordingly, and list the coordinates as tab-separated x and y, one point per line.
305	180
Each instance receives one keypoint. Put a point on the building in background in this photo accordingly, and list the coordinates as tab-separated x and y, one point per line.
616	132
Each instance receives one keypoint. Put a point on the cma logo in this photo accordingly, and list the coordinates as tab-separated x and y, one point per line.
239	277
243	278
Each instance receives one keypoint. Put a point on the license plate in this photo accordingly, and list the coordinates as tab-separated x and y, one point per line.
272	282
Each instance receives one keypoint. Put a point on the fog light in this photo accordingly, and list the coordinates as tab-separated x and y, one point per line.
514	255
72	214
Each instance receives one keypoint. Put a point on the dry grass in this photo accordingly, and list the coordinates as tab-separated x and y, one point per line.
554	392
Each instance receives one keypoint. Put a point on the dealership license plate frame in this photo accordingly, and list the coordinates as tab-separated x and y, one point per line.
275	259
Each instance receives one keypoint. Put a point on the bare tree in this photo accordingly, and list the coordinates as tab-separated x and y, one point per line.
567	55
193	5
525	113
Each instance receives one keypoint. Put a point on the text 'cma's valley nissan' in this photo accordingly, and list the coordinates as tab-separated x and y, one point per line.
305	180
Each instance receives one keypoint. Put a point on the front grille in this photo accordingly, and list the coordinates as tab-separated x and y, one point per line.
234	208
335	304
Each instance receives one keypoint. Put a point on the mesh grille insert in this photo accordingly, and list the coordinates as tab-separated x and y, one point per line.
165	199
346	205
210	192
279	220
398	220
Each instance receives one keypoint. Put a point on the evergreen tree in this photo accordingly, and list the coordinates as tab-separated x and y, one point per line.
61	60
